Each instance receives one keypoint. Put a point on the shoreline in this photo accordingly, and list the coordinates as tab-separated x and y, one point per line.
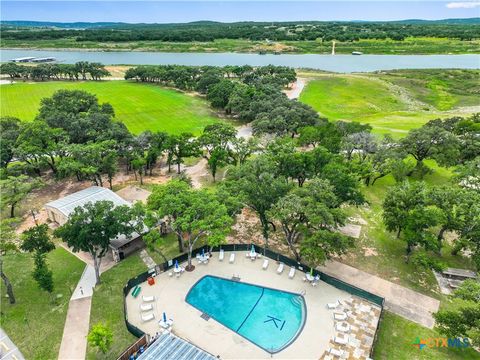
200	51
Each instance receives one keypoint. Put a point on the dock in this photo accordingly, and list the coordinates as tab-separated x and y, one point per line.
32	59
23	59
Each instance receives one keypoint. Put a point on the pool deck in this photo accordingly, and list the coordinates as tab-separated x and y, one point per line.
215	338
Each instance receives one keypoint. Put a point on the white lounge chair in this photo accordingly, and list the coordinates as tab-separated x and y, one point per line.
148	317
148	298
339	316
280	268
340	340
232	258
265	264
336	352
146	307
221	255
342	327
334	305
291	274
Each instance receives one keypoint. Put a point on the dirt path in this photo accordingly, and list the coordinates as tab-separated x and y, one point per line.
295	91
197	172
244	131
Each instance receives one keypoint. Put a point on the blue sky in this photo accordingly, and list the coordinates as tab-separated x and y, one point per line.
229	11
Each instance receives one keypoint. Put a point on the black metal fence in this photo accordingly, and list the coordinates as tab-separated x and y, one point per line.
126	289
266	252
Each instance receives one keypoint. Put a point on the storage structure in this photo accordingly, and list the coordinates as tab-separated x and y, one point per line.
59	211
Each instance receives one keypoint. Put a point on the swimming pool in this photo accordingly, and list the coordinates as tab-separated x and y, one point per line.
271	319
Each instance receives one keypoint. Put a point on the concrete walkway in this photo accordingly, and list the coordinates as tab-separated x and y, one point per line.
398	299
86	284
8	350
74	340
147	259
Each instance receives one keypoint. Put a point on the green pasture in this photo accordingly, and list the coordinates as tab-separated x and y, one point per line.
35	322
346	97
140	106
375	98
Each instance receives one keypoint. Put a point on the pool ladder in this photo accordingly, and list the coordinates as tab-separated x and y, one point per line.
297	301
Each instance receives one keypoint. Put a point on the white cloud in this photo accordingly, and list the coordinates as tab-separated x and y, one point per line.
463	5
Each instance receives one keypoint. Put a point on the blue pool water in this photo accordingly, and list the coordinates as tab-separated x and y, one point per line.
269	318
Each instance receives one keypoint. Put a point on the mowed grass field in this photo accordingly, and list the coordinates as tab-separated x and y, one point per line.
395	102
140	106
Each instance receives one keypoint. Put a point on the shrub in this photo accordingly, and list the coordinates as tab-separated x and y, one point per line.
424	261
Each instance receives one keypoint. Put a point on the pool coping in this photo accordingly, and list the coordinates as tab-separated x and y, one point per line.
304	318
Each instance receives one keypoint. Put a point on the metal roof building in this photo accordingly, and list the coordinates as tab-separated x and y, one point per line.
171	347
59	210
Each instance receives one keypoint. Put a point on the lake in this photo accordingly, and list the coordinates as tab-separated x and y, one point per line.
337	63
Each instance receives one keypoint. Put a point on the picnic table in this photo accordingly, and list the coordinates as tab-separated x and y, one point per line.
459	273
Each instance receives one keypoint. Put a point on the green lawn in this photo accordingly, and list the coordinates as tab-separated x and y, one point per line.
107	305
375	99
140	106
347	97
397	335
35	323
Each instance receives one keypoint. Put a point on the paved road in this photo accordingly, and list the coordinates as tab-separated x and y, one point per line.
398	299
8	350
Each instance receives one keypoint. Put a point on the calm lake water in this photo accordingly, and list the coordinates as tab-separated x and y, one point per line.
338	63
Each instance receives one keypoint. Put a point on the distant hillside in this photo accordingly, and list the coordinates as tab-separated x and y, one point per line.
473	21
60	25
92	25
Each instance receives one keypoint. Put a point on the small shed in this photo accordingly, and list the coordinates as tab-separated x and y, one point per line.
59	211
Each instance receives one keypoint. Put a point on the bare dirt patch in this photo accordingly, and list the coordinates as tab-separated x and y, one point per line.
369	251
117	71
133	194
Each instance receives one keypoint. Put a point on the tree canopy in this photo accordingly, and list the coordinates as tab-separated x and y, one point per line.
192	214
91	228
